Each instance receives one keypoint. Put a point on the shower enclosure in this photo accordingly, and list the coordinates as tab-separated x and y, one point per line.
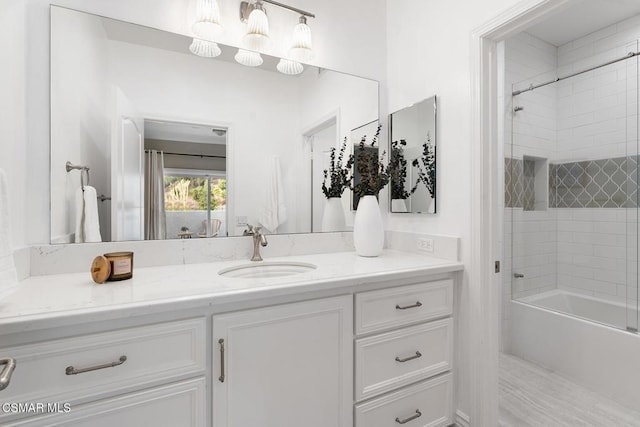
571	188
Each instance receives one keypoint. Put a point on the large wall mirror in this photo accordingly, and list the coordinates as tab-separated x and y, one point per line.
412	140
183	146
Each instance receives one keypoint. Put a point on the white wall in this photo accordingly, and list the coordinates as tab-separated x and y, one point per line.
349	36
429	53
16	156
196	90
79	124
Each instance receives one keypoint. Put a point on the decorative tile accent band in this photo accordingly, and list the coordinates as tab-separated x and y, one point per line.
512	183
604	183
528	184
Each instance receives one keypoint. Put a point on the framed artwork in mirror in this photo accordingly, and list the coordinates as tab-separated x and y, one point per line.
413	165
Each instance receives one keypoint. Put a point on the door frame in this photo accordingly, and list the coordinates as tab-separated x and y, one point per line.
485	297
230	153
332	118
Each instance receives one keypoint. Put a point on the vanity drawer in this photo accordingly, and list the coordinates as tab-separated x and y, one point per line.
179	404
428	403
58	371
394	359
397	307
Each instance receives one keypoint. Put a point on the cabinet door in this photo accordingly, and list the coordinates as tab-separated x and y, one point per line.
175	405
284	366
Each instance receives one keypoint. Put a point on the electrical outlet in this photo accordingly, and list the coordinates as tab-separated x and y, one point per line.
241	220
425	245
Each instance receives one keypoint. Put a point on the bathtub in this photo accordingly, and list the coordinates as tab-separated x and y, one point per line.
579	346
609	313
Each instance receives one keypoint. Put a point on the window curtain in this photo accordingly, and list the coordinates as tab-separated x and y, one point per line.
155	220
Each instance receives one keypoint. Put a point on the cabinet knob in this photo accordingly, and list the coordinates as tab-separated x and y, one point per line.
5	375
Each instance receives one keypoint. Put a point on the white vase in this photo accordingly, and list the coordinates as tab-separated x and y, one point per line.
398	205
333	215
368	230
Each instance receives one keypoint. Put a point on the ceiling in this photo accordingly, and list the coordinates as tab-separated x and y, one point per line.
183	132
582	18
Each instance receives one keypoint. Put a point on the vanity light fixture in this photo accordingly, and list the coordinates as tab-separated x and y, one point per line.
257	36
207	28
302	47
205	48
254	15
287	66
248	58
207	23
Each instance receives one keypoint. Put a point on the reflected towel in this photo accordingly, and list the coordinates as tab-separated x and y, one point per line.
274	211
8	276
87	222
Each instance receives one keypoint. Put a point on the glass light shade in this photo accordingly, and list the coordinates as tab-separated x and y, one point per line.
207	24
302	49
257	37
205	48
250	59
286	66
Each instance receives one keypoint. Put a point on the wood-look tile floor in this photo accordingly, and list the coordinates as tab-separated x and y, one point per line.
531	396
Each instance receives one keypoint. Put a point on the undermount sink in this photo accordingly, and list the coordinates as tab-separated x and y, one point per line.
262	270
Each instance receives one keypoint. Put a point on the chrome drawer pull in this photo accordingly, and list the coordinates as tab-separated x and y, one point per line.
418	414
417	355
417	304
5	375
221	377
73	371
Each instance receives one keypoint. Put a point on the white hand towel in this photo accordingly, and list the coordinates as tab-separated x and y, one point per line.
274	211
8	276
87	222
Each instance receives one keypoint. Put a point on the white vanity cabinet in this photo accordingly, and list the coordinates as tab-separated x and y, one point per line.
376	354
404	356
175	405
284	366
124	376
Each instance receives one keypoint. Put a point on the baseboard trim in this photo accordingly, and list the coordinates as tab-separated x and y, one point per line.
462	419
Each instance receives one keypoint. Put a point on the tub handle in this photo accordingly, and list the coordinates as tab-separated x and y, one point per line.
518	275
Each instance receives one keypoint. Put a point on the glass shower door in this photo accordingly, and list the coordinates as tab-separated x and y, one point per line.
631	72
571	190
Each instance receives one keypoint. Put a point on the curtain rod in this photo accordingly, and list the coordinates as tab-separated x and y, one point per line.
192	155
557	79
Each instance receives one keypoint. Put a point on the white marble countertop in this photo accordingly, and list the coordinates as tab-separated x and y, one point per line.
50	299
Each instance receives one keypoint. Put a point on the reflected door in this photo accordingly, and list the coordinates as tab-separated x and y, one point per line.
127	170
321	144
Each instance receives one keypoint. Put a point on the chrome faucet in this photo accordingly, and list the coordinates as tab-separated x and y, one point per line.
259	239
